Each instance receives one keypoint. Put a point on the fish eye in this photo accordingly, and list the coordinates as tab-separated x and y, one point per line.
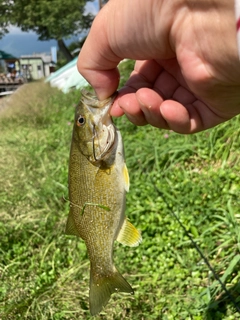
80	121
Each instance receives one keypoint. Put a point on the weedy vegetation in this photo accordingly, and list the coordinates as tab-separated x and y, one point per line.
44	274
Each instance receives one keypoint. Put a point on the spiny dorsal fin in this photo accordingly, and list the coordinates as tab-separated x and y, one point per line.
129	235
126	177
71	227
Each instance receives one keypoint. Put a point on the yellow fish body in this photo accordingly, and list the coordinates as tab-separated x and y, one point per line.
98	181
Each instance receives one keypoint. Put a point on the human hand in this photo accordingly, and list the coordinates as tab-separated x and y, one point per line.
187	73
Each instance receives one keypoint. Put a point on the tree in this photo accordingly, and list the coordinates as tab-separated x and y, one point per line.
52	19
4	17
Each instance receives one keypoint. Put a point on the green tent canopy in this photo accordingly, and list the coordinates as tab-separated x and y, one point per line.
6	56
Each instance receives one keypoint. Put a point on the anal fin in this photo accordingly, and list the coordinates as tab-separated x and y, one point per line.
129	235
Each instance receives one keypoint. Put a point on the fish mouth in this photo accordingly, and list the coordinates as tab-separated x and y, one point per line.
101	126
93	104
102	146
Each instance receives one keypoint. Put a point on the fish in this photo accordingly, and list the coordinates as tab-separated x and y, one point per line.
98	181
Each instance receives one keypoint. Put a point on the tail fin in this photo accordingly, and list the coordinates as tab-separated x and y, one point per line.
102	288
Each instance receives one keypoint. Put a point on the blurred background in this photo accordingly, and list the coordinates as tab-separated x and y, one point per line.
38	38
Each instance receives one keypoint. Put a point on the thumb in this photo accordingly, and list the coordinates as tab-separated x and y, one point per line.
97	63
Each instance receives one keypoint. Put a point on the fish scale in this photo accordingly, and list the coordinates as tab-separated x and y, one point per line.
98	181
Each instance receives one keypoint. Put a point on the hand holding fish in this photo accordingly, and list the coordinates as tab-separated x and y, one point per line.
187	74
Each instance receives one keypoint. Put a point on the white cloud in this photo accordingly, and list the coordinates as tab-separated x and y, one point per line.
15	30
91	7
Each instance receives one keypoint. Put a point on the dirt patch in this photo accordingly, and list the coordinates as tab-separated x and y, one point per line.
26	99
3	103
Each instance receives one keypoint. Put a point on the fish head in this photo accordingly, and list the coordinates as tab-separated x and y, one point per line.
94	130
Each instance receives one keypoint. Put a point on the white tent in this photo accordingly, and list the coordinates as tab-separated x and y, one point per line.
67	77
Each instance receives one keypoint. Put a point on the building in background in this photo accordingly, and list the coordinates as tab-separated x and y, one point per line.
10	78
8	62
37	66
16	71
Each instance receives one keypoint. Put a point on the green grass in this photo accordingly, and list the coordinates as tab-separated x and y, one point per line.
44	274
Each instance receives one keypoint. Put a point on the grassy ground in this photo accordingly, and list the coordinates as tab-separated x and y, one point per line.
44	274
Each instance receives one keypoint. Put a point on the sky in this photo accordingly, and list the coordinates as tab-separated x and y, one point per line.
18	43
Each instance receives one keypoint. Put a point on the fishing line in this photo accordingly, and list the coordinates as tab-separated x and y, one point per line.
94	136
223	286
87	204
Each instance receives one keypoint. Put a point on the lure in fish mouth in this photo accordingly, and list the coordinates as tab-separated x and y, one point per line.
95	128
102	146
98	182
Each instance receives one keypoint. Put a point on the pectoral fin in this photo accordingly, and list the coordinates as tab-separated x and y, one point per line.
71	227
126	178
129	235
